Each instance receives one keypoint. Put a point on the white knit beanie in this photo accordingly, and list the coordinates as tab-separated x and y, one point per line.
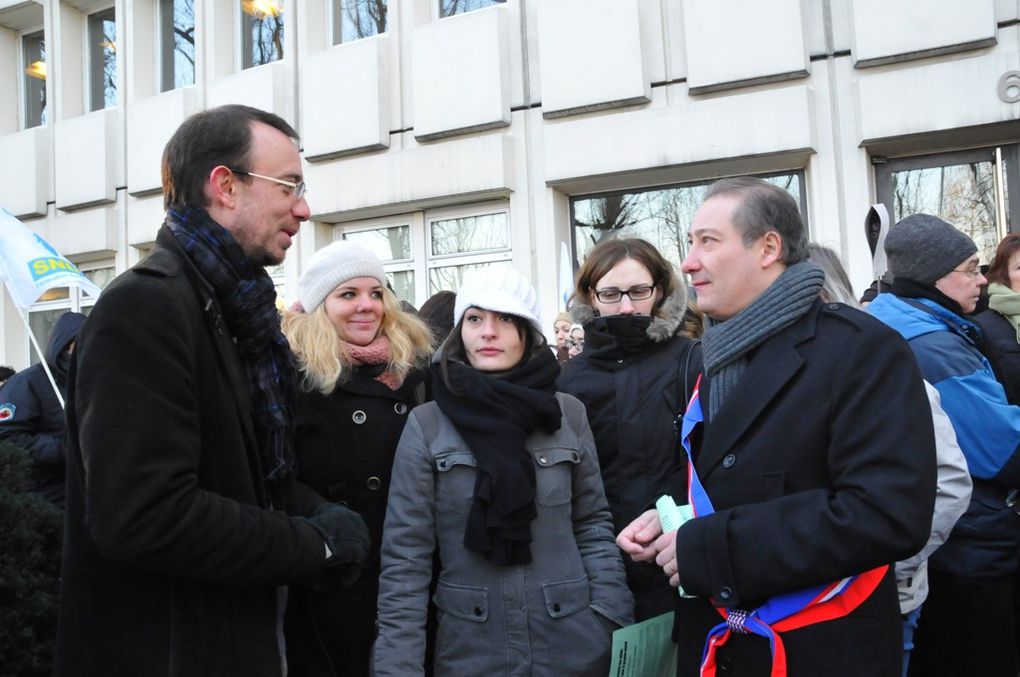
500	289
333	265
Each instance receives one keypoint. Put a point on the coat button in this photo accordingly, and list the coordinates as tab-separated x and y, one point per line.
400	408
725	592
726	664
543	460
442	464
478	611
556	607
729	460
373	483
359	417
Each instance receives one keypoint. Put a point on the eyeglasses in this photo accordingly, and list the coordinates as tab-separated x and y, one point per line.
297	189
973	273
612	295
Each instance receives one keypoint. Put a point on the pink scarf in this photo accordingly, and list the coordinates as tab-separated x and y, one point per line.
376	352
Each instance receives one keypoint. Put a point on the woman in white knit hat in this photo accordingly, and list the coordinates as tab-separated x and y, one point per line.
497	481
363	363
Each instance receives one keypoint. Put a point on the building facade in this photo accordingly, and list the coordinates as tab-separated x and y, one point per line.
448	134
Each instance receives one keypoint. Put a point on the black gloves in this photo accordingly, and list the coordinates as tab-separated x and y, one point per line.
346	536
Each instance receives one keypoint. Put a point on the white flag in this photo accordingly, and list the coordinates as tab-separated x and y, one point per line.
566	276
30	266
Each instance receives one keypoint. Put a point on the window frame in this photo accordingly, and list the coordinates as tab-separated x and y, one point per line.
95	60
437	8
336	23
24	113
799	172
884	168
422	260
167	46
75	301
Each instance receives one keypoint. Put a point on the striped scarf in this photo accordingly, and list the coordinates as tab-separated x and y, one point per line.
247	296
727	343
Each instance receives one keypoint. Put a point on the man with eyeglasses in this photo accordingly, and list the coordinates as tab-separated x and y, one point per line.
180	469
967	622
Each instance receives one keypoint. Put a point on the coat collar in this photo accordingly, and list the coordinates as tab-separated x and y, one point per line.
771	367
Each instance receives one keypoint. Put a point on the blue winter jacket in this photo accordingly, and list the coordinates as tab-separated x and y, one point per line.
986	540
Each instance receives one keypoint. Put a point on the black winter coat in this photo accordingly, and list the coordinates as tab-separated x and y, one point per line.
1002	350
31	416
814	477
345	444
172	557
633	398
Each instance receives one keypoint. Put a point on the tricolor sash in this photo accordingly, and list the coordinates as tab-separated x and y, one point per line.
784	612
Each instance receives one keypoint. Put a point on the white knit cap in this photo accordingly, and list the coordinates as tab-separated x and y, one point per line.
500	289
333	265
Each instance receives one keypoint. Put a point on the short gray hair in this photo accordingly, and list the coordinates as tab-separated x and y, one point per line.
765	207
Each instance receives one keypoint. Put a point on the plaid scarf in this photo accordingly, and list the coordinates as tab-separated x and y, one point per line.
247	296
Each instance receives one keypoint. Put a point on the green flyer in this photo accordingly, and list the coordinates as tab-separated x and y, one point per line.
645	649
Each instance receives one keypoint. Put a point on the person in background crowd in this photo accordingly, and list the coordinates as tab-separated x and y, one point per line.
31	415
362	360
5	373
575	342
952	495
437	312
561	328
806	475
179	461
499	478
967	623
1001	322
634	379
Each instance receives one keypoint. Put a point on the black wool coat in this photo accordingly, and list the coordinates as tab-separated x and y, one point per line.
820	464
345	444
172	557
1002	350
632	399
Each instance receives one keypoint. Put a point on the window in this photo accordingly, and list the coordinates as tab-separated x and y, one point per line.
978	191
43	316
33	49
261	32
451	7
356	19
276	274
426	252
660	215
102	59
176	43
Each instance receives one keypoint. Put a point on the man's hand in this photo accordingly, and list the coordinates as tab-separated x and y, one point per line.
666	547
638	538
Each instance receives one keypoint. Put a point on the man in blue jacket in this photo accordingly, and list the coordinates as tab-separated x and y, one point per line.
31	416
967	623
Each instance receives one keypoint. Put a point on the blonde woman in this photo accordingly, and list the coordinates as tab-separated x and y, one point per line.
362	365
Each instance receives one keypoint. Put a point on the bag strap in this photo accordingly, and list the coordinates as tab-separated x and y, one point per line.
684	381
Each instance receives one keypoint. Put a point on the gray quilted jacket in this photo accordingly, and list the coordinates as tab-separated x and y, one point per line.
553	616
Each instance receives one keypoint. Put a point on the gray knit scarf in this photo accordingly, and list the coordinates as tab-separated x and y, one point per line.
726	343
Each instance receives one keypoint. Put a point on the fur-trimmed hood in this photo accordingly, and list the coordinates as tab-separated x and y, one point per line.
664	326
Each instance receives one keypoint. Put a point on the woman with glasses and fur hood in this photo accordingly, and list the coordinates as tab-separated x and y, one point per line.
635	377
496	487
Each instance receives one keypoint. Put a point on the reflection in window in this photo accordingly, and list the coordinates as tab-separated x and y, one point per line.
402	282
451	7
102	52
963	195
262	31
33	48
356	19
451	277
487	232
389	244
177	43
660	215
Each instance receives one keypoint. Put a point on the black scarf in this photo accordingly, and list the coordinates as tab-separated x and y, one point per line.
615	336
495	414
247	296
913	289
